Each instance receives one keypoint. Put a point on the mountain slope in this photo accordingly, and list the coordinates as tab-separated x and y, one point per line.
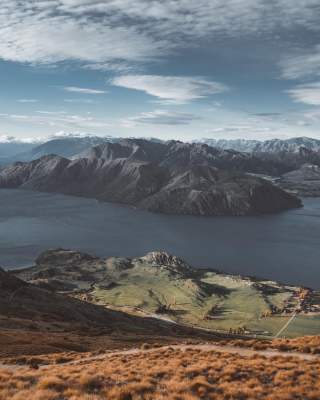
26	302
64	147
173	177
10	147
34	319
184	372
304	181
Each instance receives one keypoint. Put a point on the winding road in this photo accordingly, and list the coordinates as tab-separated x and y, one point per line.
285	326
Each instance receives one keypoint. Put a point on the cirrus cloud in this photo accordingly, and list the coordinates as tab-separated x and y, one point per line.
304	65
160	117
75	89
308	93
171	89
106	33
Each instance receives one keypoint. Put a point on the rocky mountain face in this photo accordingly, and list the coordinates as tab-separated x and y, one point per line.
292	145
291	160
286	159
304	181
172	177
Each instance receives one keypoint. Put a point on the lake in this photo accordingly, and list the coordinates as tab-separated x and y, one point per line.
285	246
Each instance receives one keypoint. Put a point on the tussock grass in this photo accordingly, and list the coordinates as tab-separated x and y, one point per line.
176	374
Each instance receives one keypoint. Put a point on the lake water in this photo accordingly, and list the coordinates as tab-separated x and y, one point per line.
284	246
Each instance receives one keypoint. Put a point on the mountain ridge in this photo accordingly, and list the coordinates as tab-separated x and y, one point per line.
172	178
291	145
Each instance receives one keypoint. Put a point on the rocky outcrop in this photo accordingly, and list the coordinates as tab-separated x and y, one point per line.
173	178
63	257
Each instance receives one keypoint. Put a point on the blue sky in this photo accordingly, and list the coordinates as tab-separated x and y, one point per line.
170	69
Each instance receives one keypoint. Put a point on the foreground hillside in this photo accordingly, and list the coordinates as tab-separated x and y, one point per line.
56	347
176	372
171	178
34	320
165	287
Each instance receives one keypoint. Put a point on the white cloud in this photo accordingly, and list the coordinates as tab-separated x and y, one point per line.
200	18
13	139
75	89
27	101
305	64
80	101
54	31
308	93
171	89
59	119
115	31
239	129
68	134
160	117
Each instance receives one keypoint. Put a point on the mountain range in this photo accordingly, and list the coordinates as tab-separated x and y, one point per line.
10	147
169	177
291	145
65	146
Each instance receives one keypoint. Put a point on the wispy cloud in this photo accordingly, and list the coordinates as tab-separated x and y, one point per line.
304	65
308	93
80	101
171	89
27	101
75	89
45	32
59	119
160	117
13	139
239	129
102	32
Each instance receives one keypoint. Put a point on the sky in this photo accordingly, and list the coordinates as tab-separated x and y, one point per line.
172	69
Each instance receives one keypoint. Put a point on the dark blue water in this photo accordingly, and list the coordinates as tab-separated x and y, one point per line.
285	246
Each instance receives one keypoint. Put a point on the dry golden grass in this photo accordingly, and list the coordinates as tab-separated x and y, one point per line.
51	346
306	344
167	373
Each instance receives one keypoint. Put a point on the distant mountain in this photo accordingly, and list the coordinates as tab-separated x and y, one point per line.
292	145
68	147
10	146
172	177
304	181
